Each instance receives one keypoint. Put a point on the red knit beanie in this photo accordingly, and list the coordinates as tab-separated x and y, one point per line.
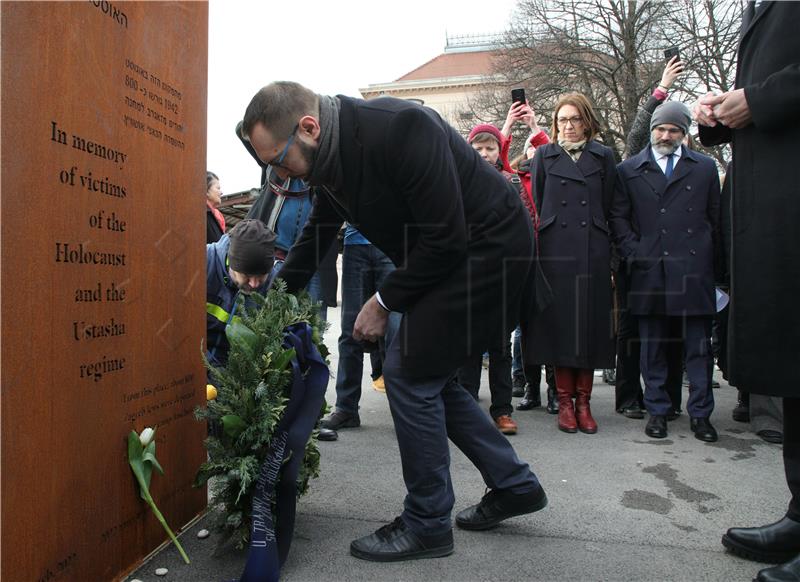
486	128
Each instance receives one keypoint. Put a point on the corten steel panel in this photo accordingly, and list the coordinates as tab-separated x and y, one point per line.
103	122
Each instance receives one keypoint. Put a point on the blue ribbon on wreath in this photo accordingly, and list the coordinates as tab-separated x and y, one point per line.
277	481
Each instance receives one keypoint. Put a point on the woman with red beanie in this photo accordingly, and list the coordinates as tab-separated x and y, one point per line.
493	147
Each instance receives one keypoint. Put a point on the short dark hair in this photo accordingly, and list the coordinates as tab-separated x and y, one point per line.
279	106
580	102
210	177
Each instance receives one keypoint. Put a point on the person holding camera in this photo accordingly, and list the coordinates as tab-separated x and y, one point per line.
526	378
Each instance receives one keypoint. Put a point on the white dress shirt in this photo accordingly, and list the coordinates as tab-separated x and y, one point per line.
661	159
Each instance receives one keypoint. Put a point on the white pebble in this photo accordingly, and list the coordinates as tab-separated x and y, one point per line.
136	580
203	534
161	571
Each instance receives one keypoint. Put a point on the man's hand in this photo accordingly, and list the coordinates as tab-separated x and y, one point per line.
371	321
731	109
703	111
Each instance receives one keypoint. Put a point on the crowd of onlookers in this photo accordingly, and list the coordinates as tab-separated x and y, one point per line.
600	265
631	265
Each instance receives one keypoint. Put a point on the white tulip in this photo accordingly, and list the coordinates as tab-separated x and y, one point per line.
147	436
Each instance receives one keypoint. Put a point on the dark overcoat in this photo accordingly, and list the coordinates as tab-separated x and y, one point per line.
668	233
764	319
576	329
453	225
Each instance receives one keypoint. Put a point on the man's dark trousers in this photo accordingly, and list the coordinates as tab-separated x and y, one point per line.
628	388
364	267
657	332
469	376
426	412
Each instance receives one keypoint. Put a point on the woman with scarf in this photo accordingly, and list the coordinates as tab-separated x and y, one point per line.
573	185
215	222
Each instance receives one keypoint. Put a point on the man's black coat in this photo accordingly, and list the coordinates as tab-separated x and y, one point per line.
455	228
668	233
764	320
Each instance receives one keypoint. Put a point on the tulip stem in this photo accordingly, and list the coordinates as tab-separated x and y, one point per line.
160	517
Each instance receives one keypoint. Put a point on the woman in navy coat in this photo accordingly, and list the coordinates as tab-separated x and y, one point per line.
573	186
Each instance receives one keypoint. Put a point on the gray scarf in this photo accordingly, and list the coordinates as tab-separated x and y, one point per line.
327	166
573	149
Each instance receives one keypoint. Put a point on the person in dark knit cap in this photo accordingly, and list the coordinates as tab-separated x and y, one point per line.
240	262
665	220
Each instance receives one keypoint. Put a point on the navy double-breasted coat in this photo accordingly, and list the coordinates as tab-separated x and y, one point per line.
667	230
576	329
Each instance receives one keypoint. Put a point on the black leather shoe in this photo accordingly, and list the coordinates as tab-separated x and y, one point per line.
326	434
771	436
741	412
656	427
674	413
776	542
340	419
788	572
702	429
632	411
396	542
498	505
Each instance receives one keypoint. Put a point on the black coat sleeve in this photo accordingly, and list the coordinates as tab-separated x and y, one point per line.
538	178
714	213
609	181
717	135
773	102
213	230
621	221
424	174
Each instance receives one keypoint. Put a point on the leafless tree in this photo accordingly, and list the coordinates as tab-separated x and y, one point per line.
612	51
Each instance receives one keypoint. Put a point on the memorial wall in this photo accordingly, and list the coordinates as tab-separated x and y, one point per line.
103	278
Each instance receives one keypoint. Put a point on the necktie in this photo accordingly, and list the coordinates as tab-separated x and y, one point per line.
670	165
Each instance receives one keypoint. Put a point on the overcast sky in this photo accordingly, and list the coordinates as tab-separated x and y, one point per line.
331	47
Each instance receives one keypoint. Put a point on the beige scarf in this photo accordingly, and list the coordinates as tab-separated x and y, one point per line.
573	148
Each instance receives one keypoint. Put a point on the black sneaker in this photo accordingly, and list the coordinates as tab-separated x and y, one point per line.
339	420
498	505
396	542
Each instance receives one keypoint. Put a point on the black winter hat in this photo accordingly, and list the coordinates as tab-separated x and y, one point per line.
252	248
